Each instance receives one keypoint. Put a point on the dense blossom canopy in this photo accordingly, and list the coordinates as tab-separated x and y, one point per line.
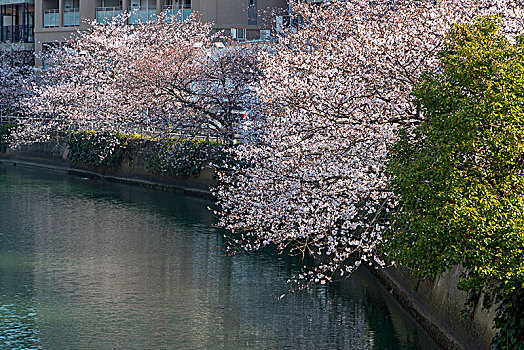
163	77
328	97
16	80
333	96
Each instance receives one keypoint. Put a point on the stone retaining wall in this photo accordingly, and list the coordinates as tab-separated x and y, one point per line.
437	305
54	155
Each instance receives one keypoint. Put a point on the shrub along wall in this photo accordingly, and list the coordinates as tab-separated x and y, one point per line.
168	156
102	148
184	157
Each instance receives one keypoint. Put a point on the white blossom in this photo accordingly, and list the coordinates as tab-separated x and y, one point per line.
333	93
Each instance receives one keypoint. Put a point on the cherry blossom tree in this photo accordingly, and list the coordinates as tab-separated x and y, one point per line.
167	77
334	92
16	79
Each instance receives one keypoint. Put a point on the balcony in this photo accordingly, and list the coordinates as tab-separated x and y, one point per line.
51	18
107	14
16	2
142	15
177	12
71	17
18	33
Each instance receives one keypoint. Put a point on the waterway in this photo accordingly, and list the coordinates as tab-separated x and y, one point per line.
86	264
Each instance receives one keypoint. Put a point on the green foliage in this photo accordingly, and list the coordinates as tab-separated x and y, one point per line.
459	175
5	131
184	157
180	157
510	322
98	148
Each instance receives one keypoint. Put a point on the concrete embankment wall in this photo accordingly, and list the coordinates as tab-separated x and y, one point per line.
132	170
436	305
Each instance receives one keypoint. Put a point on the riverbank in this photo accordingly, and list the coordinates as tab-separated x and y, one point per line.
88	264
133	171
436	305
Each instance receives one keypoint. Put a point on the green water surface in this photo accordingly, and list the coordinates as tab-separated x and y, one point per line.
86	264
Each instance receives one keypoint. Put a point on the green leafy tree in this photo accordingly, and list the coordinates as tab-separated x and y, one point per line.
459	175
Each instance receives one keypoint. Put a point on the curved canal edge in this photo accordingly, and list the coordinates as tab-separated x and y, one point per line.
51	155
435	305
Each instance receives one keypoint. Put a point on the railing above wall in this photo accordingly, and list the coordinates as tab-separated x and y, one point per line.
142	14
71	17
51	18
107	14
16	2
178	12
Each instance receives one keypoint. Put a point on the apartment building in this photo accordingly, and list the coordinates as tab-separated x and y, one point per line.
17	18
55	20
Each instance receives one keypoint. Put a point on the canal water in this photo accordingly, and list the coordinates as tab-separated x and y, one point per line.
91	265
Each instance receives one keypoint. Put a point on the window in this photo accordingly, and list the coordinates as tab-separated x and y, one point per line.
71	13
238	33
252	12
265	34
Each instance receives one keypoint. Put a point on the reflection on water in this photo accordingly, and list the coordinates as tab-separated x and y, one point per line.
91	265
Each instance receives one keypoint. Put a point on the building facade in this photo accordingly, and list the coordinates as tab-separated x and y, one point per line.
55	20
17	19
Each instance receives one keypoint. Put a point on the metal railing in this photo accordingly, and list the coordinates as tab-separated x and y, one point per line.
71	17
107	14
142	14
18	33
7	119
176	7
51	18
177	12
180	133
21	119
